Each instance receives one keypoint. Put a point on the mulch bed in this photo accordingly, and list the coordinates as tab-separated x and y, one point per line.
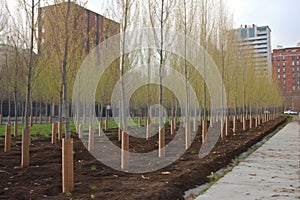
42	179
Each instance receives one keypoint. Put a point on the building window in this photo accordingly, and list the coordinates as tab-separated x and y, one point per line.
298	87
294	87
283	64
293	69
283	57
293	63
297	63
283	70
278	76
278	70
297	69
297	57
278	64
298	82
42	13
283	76
293	75
251	32
293	57
294	82
87	19
244	33
278	58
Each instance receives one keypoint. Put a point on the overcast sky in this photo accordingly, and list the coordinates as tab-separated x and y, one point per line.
282	16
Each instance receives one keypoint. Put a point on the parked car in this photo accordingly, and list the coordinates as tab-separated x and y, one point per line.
290	112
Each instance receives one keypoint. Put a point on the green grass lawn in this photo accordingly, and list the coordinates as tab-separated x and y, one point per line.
42	129
45	129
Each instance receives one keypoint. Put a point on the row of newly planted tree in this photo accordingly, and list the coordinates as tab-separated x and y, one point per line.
208	23
208	39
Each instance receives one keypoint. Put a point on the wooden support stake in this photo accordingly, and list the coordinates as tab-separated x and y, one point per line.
100	128
227	123
41	119
262	118
195	124
60	131
148	128
25	147
222	128
244	123
106	124
256	121
54	133
16	129
124	151
234	121
7	138
204	130
139	122
91	138
250	122
80	130
187	135
8	120
172	126
22	119
161	142
211	121
1	120
67	165
100	123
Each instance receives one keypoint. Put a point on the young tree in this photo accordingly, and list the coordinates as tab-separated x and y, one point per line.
160	12
187	13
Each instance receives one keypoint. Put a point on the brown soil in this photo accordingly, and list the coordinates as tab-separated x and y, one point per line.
42	179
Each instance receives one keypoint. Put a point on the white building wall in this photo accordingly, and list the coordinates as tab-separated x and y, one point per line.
260	39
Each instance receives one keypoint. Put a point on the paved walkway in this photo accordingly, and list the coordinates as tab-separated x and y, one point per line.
271	172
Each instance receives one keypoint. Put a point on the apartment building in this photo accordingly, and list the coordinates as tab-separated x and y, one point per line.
87	29
258	38
286	69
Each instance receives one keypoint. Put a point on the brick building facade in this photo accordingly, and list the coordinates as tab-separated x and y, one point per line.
87	28
286	69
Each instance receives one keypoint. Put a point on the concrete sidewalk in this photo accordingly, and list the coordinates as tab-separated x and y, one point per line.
271	172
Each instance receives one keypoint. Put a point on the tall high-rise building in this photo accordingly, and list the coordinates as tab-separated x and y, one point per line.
258	38
286	69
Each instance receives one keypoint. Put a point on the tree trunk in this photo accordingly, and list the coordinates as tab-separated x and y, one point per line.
64	75
9	107
26	133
